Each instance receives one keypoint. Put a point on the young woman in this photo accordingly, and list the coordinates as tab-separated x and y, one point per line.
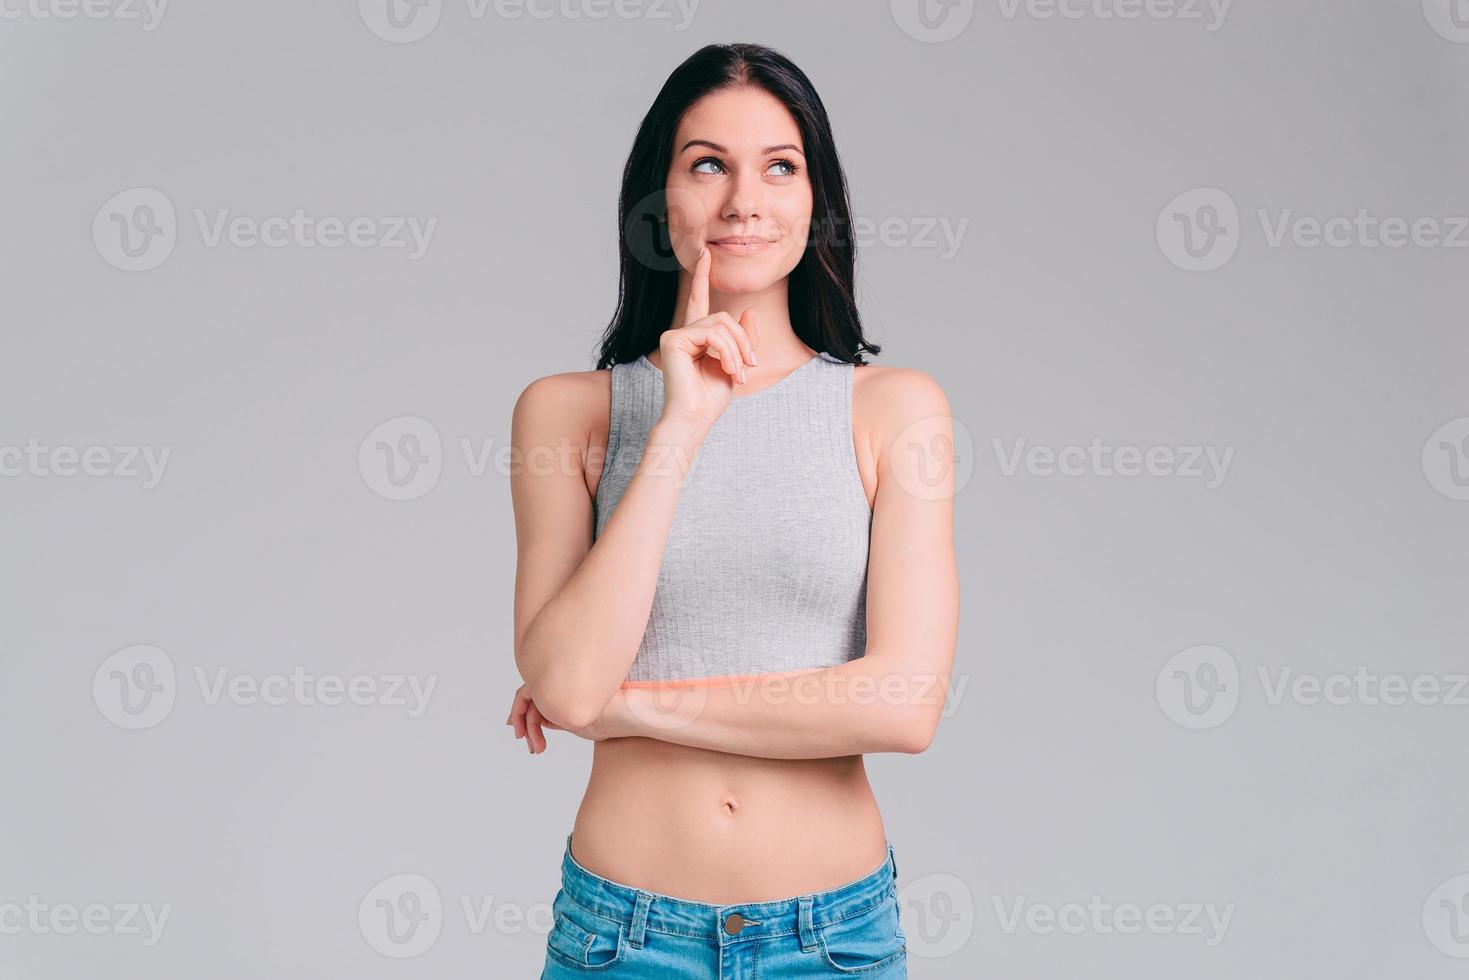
744	577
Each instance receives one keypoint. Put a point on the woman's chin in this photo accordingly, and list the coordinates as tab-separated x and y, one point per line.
740	282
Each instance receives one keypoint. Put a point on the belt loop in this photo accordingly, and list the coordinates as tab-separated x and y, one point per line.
893	860
639	919
805	927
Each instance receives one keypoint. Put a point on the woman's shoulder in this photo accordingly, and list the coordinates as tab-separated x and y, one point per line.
888	401
570	404
896	391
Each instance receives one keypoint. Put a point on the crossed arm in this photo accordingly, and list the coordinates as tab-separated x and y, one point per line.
888	700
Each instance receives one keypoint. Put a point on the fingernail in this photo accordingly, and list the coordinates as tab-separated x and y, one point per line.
754	358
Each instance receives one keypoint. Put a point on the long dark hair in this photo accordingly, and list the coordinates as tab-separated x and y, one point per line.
822	306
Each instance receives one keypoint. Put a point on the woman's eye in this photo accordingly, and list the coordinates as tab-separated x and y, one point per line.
709	165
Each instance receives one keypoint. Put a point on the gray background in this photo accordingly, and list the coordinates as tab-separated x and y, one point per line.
1069	766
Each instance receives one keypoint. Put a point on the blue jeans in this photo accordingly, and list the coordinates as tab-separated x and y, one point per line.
616	931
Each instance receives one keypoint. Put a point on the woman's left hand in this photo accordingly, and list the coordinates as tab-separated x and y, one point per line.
614	722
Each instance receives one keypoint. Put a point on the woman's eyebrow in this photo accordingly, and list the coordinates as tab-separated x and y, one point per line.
719	149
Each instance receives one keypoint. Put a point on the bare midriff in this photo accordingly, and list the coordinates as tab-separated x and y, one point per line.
715	827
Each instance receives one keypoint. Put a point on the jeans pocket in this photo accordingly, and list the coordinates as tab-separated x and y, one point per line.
584	940
865	942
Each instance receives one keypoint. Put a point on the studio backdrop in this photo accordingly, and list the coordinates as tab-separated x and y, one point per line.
1192	274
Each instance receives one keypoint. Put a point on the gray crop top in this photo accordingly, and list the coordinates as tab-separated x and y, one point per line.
765	570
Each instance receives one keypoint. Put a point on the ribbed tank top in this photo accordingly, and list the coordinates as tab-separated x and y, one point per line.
765	569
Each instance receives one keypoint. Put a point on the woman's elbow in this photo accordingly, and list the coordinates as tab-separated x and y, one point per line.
915	733
567	705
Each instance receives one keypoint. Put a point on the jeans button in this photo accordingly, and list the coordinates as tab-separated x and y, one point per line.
734	923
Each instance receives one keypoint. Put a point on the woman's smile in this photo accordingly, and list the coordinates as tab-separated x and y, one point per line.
741	244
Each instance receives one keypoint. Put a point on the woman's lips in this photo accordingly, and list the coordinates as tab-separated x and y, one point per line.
741	246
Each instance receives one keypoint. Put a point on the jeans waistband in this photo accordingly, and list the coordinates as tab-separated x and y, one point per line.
641	910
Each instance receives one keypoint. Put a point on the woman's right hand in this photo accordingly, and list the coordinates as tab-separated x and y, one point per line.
705	358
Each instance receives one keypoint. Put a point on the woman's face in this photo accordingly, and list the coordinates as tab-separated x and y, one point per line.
738	184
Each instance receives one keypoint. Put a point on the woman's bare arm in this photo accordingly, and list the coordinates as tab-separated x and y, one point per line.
581	605
890	699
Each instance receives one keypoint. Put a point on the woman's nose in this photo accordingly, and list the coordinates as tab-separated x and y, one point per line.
746	199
